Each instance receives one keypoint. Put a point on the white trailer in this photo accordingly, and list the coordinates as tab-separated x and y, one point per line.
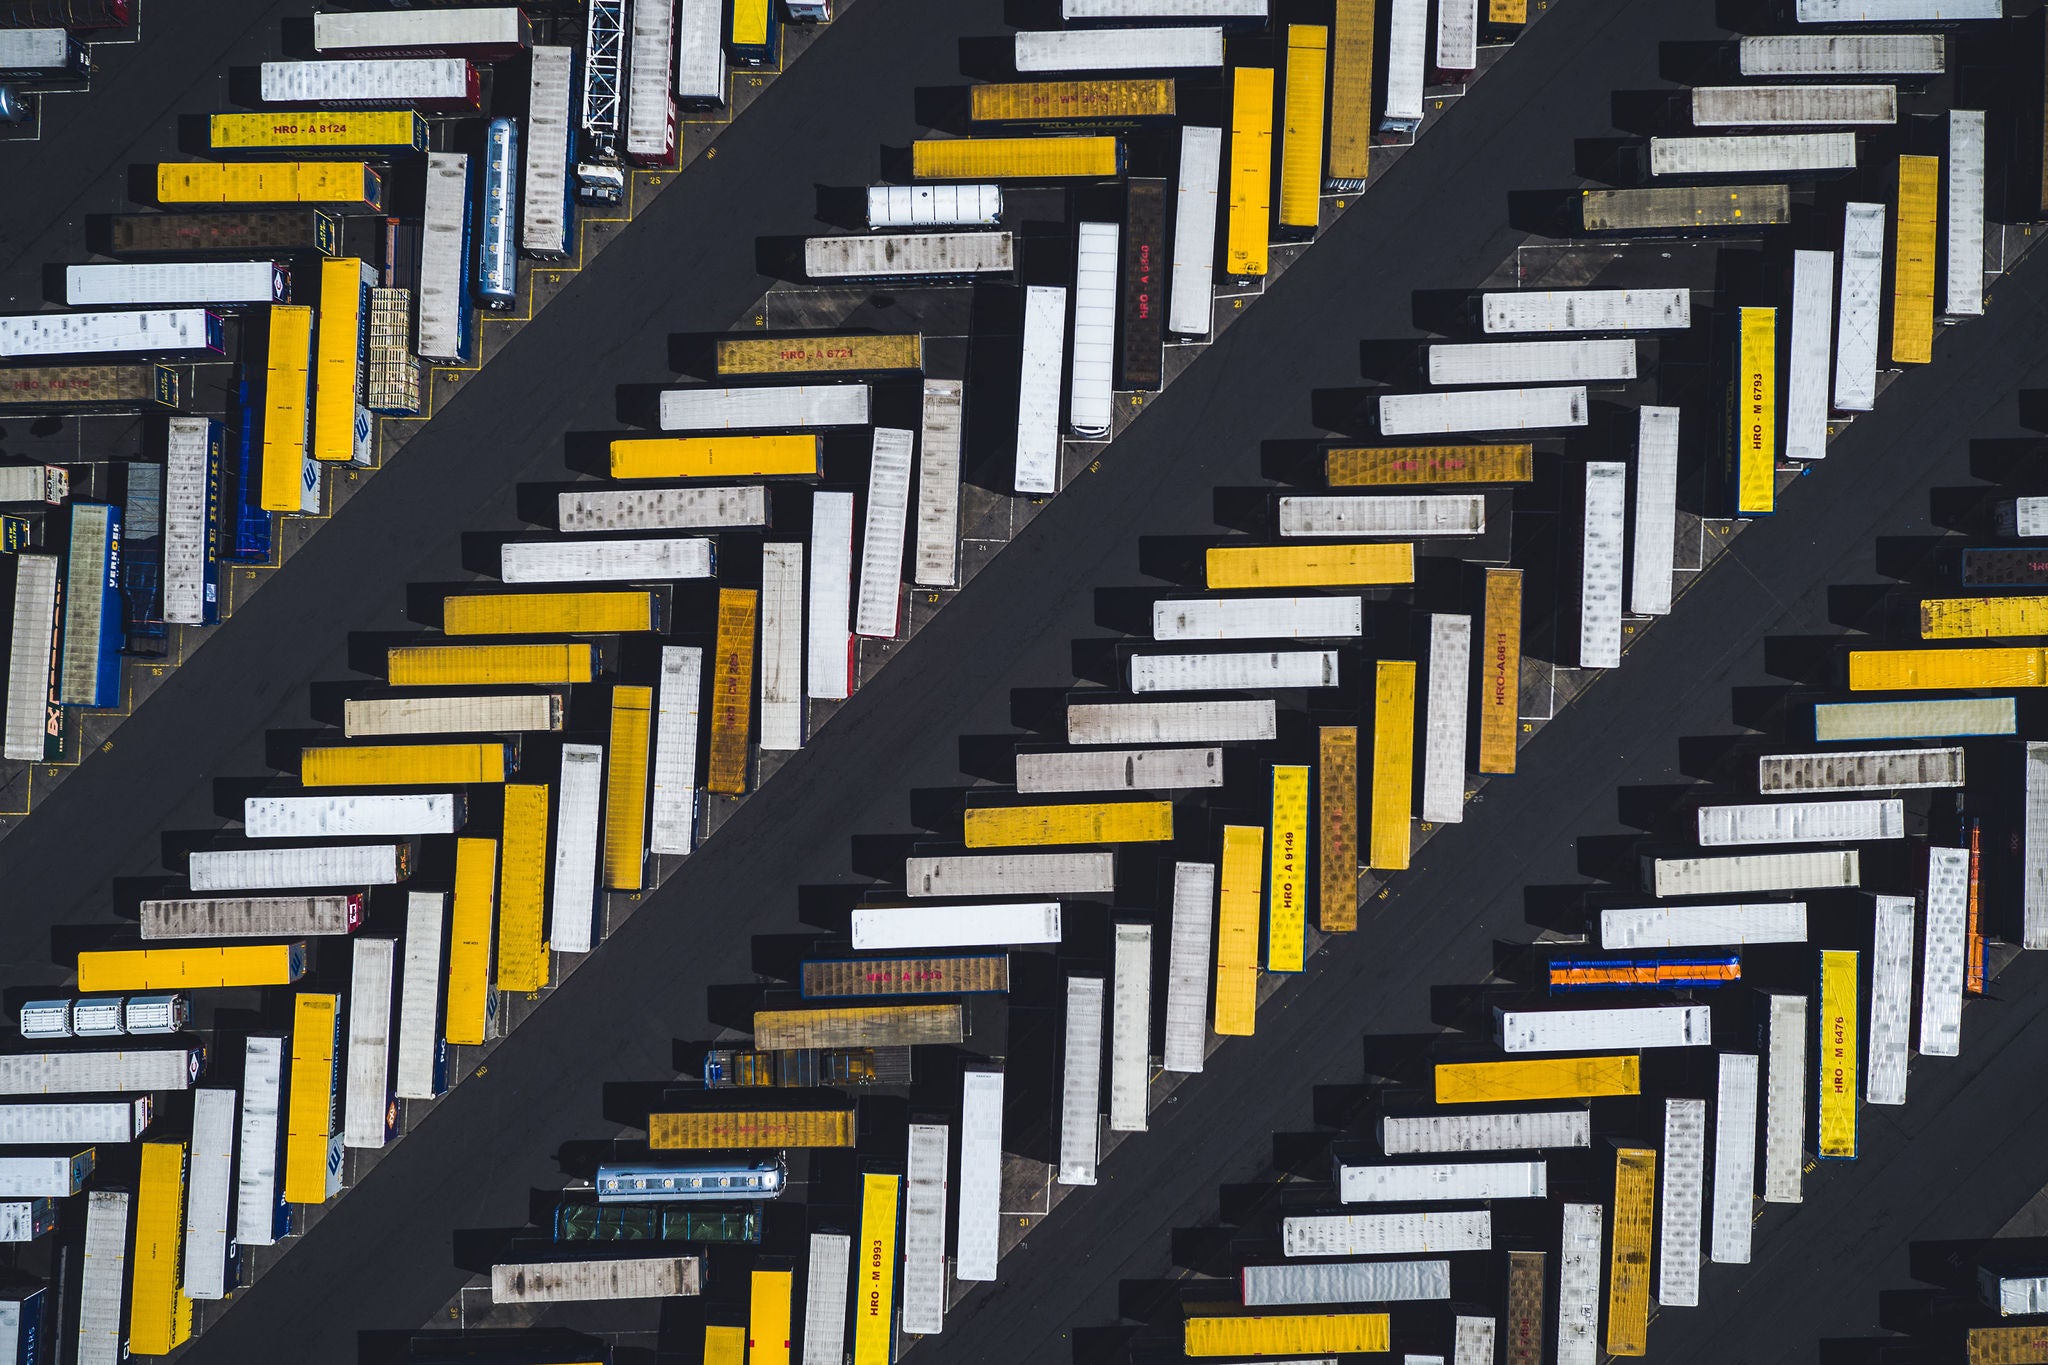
1187	966
209	1187
1119	49
1130	1029
41	54
1259	618
2034	846
661	509
1276	669
1943	718
1172	722
878	607
1806	395
1267	1286
1941	967
1585	310
1790	106
1407	55
1785	1100
938	486
700	54
1703	926
782	645
63	1121
1011	874
1250	12
1387	1234
1443	731
103	1072
1194	232
190	485
1095	263
1081	1082
1861	770
640	1277
672	827
910	255
1748	873
1734	1157
216	282
1135	770
153	332
1457	35
827	1277
981	1176
1417	1134
2012	1294
1600	564
828	672
2023	518
1472	1340
496	28
544	197
572	911
1802	822
1438	1181
441	329
402	80
1760	154
1891	1000
650	97
356	815
1678	1222
1844	54
924	206
1578	1285
259	1211
31	644
876	928
367	1095
1862	304
1964	220
1532	362
607	561
1038	389
1476	410
45	1177
421	1056
252	917
1397	514
474	714
1656	529
255	869
1604	1030
1896	11
924	1229
102	1280
767	407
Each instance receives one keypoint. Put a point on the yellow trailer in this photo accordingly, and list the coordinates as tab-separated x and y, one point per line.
1091	822
1755	456
1393	763
705	1130
1408	466
1537	1078
1507	13
1337	826
1311	566
191	969
2007	1345
469	941
287	408
1628	1274
1838	1051
475	665
725	1345
625	793
823	354
1016	158
1351	95
355	184
610	611
1246	239
717	457
1301	137
732	691
1920	670
1287	882
1237	930
1292	1334
159	1314
1059	102
338	356
874	1314
857	1026
1500	672
310	1175
522	886
1983	618
1919	226
768	1329
312	131
418	765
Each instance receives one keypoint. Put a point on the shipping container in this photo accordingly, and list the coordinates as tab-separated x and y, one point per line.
43	56
763	407
546	207
625	813
578	1221
370	717
1433	1181
981	1136
1941	971
1525	1130
1656	511
522	874
228	234
649	1277
1037	467
1895	11
1012	874
1246	237
312	1144
1130	1029
2002	567
192	521
1387	1234
1237	929
1930	669
1748	873
926	206
1393	764
2020	518
881	928
1914	244
1752	414
1407	58
261	1213
490	33
1843	54
290	479
1862	286
99	1071
1287	884
1678	210
1119	49
1891	999
825	1287
1194	231
342	429
863	1026
1548	1078
89	660
1309	566
1983	618
1810	822
819	354
830	652
1187	966
1099	822
436	84
1785	1099
1678	1222
254	916
2006	1345
343	186
573	907
1293	1334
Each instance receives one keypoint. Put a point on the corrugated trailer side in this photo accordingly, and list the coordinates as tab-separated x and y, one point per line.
858	1026
1734	1158
832	980
755	1128
1011	874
